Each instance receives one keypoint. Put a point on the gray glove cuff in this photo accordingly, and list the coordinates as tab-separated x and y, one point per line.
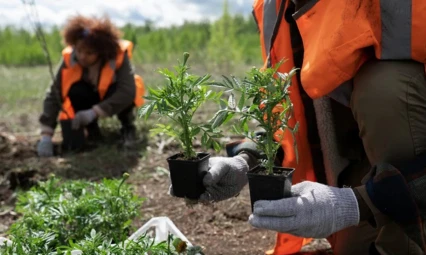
46	138
346	208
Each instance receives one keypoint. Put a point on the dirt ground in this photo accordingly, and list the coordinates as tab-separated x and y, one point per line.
219	229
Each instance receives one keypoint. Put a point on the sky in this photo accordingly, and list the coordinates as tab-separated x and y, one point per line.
163	13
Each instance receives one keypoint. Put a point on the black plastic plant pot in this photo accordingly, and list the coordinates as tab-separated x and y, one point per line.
265	186
187	175
72	140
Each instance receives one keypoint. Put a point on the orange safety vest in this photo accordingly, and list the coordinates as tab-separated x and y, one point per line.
335	34
72	73
266	13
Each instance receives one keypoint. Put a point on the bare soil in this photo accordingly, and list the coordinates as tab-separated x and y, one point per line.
221	228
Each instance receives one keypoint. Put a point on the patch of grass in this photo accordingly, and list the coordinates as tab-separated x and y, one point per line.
22	90
21	93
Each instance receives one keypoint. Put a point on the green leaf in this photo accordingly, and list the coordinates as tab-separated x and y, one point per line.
231	101
217	146
195	131
219	119
228	82
283	76
223	104
209	94
237	83
228	118
245	126
202	80
93	233
166	72
154	93
241	102
146	110
204	139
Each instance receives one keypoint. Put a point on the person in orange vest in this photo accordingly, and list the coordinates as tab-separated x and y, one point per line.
95	79
360	100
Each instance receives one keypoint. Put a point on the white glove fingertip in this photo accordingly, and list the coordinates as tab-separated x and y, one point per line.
213	160
205	198
255	221
298	188
258	206
215	174
208	179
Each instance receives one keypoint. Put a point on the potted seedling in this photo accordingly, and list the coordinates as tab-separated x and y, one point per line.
264	98
178	100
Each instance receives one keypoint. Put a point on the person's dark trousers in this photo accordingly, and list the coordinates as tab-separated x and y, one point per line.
83	96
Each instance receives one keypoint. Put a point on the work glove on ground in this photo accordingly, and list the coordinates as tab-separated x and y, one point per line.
314	210
225	179
45	146
83	118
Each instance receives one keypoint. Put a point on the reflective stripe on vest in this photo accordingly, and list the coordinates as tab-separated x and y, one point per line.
396	29
269	19
337	33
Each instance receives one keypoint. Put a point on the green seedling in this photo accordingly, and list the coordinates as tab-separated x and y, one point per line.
264	98
178	100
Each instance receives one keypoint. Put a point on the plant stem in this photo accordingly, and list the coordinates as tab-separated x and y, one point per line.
269	143
187	141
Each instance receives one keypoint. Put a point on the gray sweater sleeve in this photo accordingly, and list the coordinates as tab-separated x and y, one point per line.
125	92
52	101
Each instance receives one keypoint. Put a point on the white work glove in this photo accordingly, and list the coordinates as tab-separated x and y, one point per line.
83	118
314	210
225	179
45	146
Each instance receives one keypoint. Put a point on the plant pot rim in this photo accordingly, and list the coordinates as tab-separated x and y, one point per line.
288	170
204	155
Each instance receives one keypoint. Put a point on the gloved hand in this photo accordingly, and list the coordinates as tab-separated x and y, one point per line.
314	210
45	146
83	118
225	179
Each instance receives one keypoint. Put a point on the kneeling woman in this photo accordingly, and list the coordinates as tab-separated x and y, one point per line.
95	79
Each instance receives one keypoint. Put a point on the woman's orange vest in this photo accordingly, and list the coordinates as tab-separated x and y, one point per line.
72	72
338	37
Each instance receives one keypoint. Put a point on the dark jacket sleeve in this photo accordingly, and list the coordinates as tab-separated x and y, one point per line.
52	102
125	92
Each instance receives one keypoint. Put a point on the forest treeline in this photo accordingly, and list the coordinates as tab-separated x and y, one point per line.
230	40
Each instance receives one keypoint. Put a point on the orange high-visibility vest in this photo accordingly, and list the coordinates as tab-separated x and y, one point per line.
72	72
266	13
338	37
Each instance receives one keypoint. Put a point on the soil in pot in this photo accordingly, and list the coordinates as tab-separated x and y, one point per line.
187	175
264	186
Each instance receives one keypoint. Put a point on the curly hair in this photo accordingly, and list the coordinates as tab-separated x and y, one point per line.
99	34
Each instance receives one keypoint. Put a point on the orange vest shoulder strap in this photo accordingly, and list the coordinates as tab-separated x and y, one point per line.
66	55
125	47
